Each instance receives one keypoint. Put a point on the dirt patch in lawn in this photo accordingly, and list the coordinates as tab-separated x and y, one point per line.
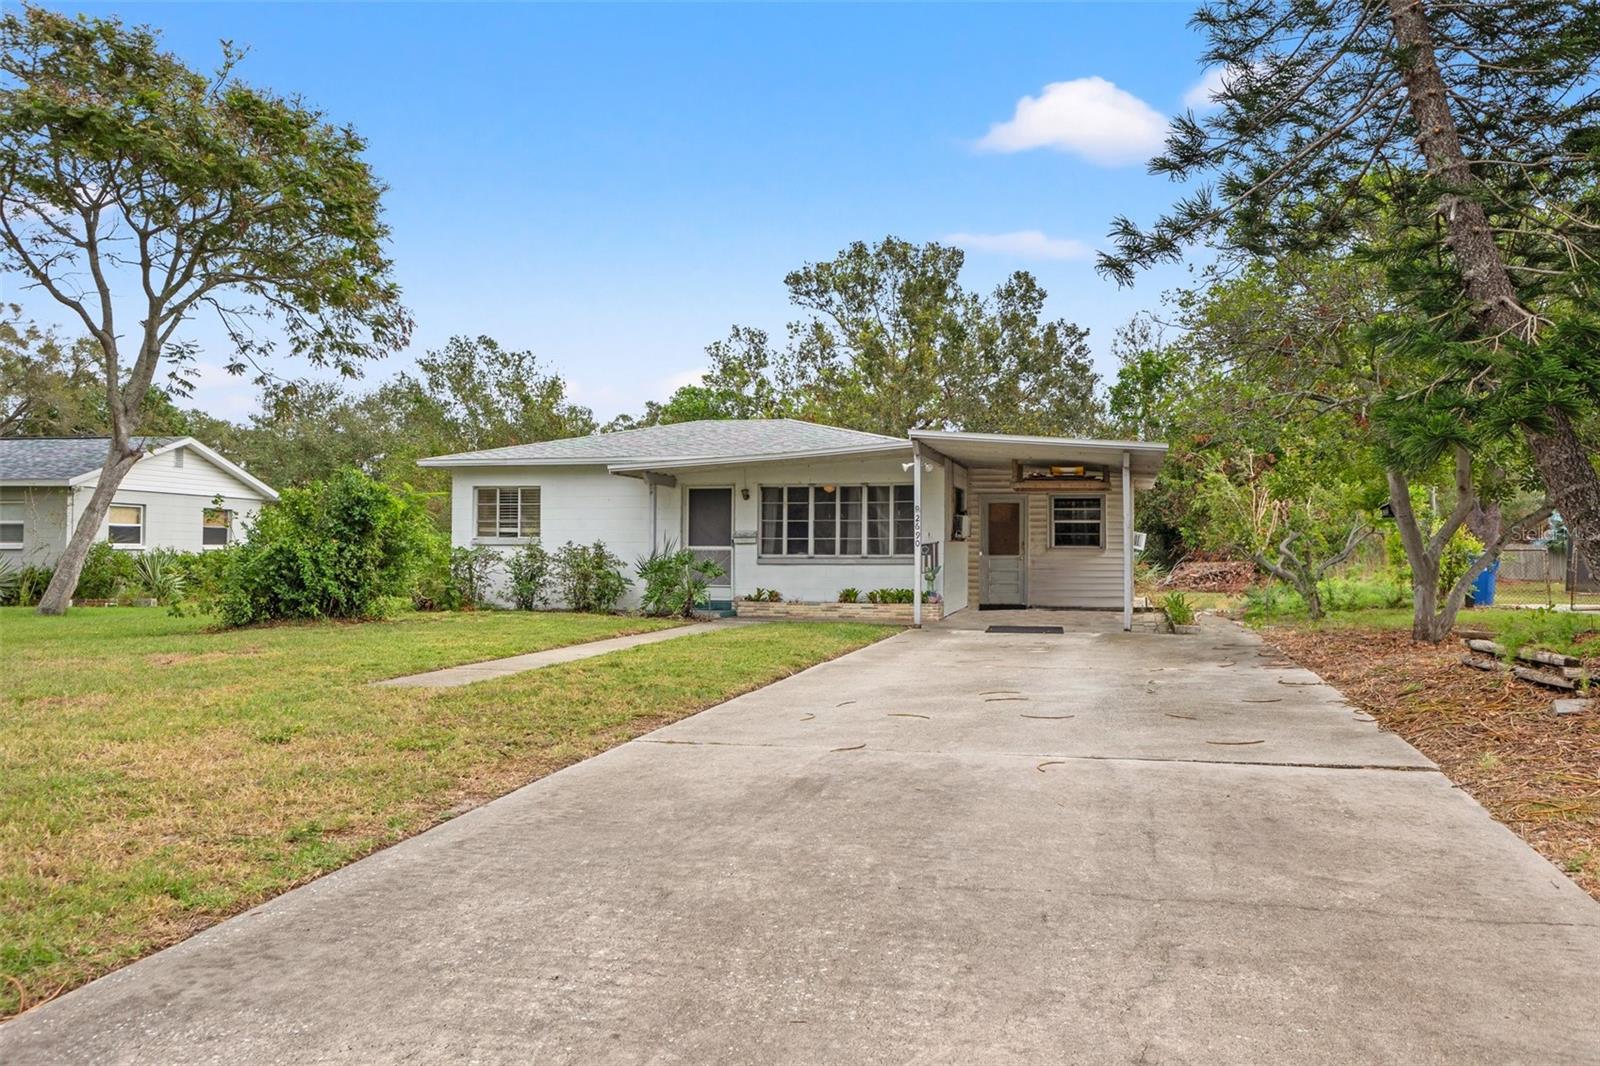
1494	736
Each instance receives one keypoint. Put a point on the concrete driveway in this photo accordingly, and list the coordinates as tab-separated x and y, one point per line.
949	847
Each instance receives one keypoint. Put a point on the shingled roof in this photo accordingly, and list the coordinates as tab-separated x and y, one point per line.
59	458
705	439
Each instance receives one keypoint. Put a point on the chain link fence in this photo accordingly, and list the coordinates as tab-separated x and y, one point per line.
1532	575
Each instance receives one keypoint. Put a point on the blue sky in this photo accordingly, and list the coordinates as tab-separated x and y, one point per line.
613	186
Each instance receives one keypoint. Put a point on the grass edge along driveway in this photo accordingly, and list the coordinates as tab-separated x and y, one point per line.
156	778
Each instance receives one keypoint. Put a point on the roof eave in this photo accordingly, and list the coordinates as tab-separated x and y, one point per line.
935	435
689	462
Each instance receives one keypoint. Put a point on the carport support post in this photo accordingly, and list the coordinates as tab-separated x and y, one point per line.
916	539
1127	544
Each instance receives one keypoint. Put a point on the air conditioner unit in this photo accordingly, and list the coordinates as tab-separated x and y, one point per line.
959	530
1138	542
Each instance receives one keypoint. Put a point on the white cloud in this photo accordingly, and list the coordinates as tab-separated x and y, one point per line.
1201	95
1024	244
1089	116
674	382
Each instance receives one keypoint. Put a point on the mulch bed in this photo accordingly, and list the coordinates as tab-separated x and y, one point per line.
1491	734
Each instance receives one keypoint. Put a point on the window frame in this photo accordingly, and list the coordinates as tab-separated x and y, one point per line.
499	536
852	529
127	545
1100	498
20	501
226	527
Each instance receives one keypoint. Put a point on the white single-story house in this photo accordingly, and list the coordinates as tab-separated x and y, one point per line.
168	499
976	520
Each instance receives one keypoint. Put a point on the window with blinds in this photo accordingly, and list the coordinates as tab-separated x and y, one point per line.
510	513
822	521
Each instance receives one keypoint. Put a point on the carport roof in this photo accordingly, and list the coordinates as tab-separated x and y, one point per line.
993	449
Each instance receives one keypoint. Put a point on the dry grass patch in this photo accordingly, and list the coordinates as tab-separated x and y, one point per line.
1491	734
139	804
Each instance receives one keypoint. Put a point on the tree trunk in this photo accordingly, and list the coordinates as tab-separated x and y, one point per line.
1564	464
64	581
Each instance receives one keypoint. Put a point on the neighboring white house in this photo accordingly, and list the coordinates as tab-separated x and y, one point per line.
168	499
984	520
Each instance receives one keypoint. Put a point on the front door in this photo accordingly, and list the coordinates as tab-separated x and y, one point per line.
1001	555
710	535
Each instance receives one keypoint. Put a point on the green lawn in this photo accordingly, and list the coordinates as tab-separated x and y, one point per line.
1559	631
156	776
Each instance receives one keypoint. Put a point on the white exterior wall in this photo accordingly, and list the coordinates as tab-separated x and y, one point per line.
587	503
44	528
813	579
582	504
174	499
1057	577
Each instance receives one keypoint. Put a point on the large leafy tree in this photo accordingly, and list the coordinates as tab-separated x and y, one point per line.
1471	128
1310	344
890	340
139	193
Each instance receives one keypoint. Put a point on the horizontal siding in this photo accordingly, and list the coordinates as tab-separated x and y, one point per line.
197	476
1057	577
174	520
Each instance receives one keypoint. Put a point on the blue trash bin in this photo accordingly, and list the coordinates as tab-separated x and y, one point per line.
1482	594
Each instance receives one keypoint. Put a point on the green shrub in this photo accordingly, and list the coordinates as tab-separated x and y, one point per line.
1178	609
160	576
26	586
761	595
675	581
849	595
529	568
10	575
106	572
470	569
340	548
891	596
204	573
589	578
1457	559
1543	628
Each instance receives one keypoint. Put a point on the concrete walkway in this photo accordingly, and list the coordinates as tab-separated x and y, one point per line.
950	847
454	676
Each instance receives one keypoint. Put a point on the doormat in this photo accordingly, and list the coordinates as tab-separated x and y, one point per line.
1025	629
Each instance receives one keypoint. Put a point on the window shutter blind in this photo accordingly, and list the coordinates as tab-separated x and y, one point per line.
530	512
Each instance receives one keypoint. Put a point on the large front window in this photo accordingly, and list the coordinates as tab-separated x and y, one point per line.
216	527
510	513
828	521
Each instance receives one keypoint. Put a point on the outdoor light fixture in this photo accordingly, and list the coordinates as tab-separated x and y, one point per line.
927	467
744	494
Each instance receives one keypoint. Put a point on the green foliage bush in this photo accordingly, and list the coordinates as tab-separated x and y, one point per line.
340	548
1178	609
1543	628
761	595
26	587
470	570
107	571
530	571
891	596
160	575
849	595
1277	600
589	578
1458	557
675	581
